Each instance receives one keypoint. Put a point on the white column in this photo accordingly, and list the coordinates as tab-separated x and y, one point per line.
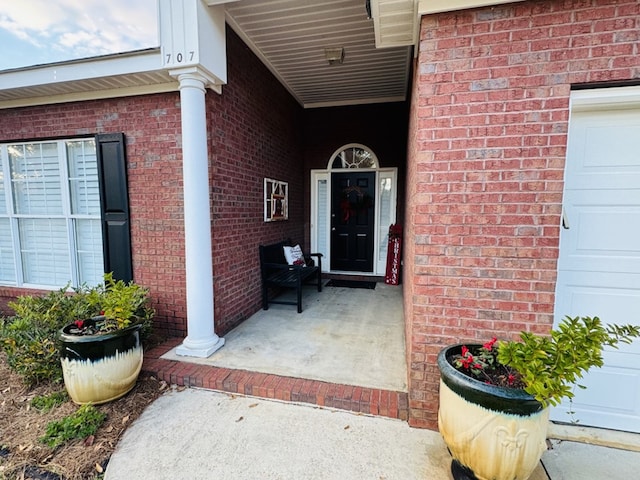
201	339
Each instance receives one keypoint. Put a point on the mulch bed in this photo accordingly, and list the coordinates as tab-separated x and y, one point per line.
23	456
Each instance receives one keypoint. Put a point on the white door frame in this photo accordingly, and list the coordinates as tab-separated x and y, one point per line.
323	244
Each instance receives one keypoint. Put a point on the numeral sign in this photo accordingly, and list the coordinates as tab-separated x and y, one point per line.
179	58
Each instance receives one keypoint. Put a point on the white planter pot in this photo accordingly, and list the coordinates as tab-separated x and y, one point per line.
101	368
493	433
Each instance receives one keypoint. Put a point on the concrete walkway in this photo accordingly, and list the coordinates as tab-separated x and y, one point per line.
201	434
207	434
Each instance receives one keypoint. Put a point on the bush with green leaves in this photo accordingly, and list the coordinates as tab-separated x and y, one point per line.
122	303
30	337
79	425
550	366
44	403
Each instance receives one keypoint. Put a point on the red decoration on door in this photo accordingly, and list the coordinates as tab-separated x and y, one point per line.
394	250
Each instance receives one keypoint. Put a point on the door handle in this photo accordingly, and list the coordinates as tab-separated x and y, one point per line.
565	219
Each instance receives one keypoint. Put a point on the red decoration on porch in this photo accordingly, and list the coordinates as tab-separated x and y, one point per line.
392	276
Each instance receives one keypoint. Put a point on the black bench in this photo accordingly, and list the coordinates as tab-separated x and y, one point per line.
276	272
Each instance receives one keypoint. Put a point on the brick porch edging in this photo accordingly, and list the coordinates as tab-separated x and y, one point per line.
374	401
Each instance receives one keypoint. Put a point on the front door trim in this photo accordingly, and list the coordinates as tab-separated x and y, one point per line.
320	230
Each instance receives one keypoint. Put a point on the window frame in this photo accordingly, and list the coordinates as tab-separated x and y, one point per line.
70	218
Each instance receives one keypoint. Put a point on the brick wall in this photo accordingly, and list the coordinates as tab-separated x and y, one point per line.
151	125
486	163
253	133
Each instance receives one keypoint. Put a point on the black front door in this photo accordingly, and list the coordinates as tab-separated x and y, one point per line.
352	221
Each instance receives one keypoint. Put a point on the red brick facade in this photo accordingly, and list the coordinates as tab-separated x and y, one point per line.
481	200
151	125
487	145
255	130
254	133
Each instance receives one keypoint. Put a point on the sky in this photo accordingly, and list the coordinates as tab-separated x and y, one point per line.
33	32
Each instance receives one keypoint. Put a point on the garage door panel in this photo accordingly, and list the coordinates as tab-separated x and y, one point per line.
604	151
599	262
625	382
609	230
610	304
604	143
620	410
602	260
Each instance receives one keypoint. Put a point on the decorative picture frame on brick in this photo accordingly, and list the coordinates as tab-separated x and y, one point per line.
276	200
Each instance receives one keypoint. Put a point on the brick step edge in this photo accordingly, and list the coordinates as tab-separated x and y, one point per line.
372	401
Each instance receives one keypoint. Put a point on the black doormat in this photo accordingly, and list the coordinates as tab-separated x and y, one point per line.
351	284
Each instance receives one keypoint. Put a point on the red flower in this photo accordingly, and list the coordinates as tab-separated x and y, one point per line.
465	350
79	323
490	343
468	360
511	378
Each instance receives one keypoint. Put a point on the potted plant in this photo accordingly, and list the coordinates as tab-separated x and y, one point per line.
101	353
494	397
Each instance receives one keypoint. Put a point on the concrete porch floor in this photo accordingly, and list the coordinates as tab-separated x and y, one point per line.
352	336
345	350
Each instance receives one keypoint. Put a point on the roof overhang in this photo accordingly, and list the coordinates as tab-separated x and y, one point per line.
427	7
288	36
109	76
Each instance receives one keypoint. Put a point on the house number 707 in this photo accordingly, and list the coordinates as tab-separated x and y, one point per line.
179	58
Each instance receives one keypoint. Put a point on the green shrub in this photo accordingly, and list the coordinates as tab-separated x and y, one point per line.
550	366
81	424
44	403
30	338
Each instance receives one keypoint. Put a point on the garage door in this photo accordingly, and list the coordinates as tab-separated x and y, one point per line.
599	264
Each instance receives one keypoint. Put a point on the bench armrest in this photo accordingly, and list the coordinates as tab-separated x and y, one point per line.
280	266
319	256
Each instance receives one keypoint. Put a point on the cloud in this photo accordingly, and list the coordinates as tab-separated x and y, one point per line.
82	28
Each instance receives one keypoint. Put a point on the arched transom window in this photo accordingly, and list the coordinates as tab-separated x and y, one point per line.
353	156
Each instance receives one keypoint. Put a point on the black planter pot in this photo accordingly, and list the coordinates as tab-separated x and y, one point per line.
100	368
493	433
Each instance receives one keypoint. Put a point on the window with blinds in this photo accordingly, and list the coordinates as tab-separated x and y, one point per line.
50	228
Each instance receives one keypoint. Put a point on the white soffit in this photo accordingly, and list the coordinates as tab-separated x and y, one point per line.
109	76
290	37
396	22
426	7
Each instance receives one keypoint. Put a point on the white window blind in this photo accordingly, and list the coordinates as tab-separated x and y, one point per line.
323	214
385	217
83	178
7	262
35	179
50	228
45	252
3	193
89	250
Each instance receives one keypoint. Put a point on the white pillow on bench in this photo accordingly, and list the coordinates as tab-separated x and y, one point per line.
293	255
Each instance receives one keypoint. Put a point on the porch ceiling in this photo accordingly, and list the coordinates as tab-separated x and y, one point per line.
290	37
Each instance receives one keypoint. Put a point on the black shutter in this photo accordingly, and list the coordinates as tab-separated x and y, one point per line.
114	205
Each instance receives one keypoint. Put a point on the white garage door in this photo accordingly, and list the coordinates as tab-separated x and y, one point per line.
599	264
